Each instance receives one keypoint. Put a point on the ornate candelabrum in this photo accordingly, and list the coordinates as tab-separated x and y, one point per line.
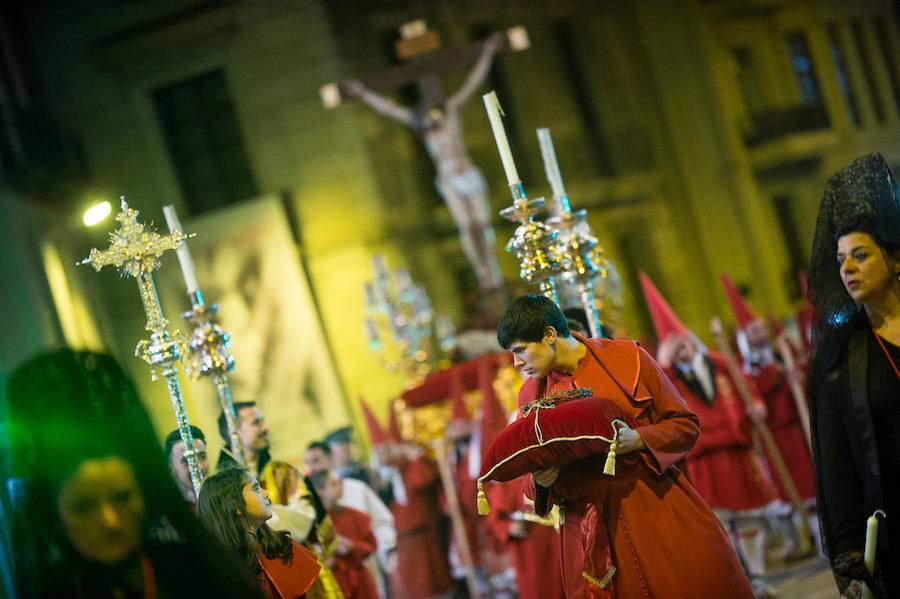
534	243
136	252
583	261
209	344
401	325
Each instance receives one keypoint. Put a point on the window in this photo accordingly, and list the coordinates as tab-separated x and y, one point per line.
865	60
804	70
890	59
204	142
843	80
790	232
747	79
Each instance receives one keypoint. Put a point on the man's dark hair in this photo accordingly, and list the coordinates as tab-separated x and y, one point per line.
526	318
321	446
223	425
318	479
175	437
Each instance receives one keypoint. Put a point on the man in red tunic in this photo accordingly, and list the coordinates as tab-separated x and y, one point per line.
464	457
764	368
355	539
644	532
722	465
422	568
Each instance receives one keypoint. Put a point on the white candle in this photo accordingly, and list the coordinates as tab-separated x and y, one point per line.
551	165
184	255
492	104
871	542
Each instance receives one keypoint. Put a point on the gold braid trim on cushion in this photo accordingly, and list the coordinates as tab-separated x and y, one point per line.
548	402
600	582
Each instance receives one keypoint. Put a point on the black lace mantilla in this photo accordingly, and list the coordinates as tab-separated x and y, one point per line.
862	196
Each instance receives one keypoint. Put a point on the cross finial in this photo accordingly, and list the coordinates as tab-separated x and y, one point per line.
133	248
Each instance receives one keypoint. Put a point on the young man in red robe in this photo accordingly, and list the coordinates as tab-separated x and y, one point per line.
723	465
644	532
355	539
766	368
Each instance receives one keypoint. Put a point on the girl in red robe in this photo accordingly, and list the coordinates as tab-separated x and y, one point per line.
234	508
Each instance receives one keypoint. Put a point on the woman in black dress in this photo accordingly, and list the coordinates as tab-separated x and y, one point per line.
855	381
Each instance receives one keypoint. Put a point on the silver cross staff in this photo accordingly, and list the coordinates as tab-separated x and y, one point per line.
136	252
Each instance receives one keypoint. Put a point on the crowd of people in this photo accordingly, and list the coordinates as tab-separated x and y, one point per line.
793	436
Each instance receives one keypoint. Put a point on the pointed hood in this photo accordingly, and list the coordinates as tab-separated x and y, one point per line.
665	321
377	435
743	314
393	432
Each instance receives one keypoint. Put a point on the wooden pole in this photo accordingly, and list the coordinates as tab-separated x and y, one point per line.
764	433
792	374
456	519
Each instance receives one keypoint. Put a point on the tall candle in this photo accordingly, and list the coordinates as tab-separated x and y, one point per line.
184	255
492	105
551	166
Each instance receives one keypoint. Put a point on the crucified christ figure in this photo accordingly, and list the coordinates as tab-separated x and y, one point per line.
458	181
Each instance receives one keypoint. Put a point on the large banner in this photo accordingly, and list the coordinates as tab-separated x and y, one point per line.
248	264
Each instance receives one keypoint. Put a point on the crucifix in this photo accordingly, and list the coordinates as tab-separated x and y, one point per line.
437	121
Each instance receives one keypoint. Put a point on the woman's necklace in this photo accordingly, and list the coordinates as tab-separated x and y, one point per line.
886	353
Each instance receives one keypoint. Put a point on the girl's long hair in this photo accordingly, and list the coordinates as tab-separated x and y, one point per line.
221	508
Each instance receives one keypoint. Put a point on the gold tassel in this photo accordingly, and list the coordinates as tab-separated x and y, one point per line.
610	466
484	508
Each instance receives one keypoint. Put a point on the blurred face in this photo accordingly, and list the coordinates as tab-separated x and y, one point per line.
317	460
253	430
332	490
685	350
757	333
256	503
293	483
101	509
534	359
178	465
866	270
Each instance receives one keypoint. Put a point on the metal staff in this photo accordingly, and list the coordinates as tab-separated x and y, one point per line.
533	243
136	252
209	344
764	433
578	247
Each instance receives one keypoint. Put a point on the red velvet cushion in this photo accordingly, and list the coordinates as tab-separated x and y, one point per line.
570	430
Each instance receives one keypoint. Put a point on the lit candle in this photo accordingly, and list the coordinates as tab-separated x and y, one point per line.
184	255
551	166
492	104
